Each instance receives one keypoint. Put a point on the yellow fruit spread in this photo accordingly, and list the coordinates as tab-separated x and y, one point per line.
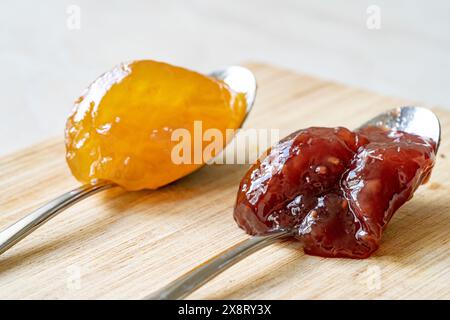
120	129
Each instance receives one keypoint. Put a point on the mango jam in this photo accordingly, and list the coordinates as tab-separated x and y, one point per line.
120	129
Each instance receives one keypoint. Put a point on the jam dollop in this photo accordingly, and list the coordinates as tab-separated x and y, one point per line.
120	129
334	189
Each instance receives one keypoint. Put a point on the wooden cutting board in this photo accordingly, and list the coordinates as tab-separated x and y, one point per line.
126	245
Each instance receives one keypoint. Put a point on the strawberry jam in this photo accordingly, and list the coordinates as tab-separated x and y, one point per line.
333	189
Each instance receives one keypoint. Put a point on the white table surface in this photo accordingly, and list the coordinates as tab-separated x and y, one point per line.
45	64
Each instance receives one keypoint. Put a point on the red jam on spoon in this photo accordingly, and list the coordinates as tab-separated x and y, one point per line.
333	188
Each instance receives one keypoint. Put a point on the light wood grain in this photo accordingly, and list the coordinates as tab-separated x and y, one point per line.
125	245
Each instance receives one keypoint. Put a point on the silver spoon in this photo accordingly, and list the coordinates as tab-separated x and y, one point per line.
416	120
239	79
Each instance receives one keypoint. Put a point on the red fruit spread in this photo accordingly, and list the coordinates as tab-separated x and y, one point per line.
333	189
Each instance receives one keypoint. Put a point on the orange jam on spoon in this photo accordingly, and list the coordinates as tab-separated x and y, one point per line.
120	129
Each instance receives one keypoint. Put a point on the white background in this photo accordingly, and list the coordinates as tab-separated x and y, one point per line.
45	65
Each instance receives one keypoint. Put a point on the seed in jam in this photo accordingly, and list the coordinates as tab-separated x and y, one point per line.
120	128
333	189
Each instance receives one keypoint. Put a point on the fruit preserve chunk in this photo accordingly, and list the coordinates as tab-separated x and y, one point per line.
121	128
333	189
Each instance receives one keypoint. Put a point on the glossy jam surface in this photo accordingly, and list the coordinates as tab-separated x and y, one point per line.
334	189
121	127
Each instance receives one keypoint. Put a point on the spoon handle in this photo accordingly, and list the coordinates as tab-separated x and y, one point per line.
191	281
19	230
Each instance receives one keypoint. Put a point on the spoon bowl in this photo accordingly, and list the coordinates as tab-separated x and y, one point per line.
414	120
239	80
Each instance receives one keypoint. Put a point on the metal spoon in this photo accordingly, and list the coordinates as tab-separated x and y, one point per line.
416	120
239	79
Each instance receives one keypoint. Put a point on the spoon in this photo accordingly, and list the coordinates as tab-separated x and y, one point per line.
239	79
415	120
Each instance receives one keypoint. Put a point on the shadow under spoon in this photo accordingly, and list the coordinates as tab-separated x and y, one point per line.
239	79
415	120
